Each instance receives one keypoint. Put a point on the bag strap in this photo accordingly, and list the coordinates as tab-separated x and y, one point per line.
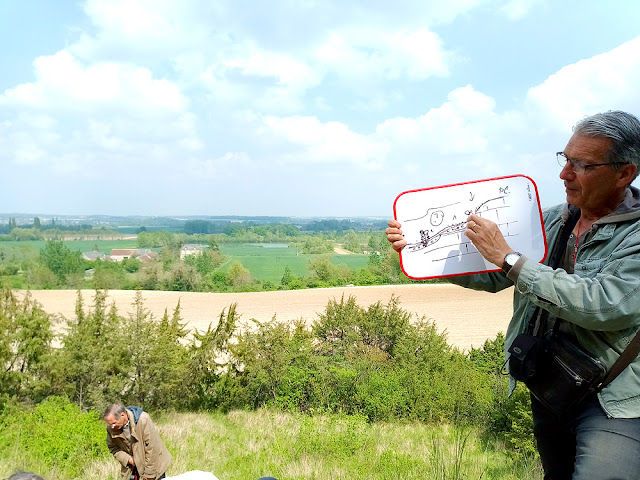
632	350
560	245
623	361
555	258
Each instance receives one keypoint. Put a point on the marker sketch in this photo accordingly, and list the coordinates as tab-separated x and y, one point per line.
434	220
436	217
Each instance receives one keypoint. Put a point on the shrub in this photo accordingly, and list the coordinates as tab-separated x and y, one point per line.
55	435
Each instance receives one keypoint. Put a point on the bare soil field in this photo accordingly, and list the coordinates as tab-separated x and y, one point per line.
468	317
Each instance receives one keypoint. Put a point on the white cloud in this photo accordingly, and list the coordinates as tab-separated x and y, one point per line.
144	29
228	165
456	127
374	55
64	83
517	9
605	82
307	140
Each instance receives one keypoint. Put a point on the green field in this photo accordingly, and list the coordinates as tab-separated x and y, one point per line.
267	262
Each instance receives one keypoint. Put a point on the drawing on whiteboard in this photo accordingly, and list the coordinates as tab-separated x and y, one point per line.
454	218
434	221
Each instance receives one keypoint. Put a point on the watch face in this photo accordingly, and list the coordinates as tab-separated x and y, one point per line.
511	258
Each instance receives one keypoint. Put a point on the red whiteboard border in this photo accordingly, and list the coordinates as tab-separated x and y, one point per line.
544	234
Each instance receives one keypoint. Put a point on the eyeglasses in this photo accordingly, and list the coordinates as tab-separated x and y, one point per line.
578	166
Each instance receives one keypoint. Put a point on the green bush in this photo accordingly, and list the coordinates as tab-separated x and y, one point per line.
55	435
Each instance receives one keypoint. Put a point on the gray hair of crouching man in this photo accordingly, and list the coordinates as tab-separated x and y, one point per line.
25	476
115	409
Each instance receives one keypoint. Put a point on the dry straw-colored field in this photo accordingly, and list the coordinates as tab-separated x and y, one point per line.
469	317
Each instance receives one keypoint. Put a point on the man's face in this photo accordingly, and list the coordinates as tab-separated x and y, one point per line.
599	188
116	423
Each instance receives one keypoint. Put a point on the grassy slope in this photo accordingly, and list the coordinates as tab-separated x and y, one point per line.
248	445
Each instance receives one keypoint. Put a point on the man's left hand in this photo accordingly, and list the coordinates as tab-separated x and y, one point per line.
488	239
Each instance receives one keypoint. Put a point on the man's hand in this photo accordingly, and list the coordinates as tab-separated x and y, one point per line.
394	235
132	462
487	238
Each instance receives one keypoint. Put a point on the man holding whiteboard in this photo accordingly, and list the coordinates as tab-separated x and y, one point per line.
592	294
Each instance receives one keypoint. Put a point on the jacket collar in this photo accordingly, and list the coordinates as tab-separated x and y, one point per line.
628	209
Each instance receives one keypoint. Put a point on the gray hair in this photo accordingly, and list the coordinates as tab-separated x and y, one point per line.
25	476
622	128
115	409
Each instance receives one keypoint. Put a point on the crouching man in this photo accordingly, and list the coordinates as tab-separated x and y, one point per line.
134	442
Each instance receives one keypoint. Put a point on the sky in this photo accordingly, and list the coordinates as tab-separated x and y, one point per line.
307	108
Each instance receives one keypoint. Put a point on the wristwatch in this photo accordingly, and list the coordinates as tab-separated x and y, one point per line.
510	260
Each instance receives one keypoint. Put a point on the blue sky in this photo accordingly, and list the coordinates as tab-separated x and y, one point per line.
296	108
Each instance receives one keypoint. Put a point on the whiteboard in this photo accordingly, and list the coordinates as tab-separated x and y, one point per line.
434	220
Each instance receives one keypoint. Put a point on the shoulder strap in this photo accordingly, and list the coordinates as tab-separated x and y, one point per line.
555	257
560	245
623	361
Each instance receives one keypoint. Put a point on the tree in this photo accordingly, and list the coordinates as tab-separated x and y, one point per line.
323	270
169	361
184	278
58	258
25	342
238	275
150	276
36	223
287	276
352	242
108	275
212	242
208	353
143	337
196	226
316	245
93	364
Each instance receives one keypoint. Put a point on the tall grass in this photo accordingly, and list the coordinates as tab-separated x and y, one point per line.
244	445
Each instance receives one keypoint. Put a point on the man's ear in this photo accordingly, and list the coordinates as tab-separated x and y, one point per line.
627	173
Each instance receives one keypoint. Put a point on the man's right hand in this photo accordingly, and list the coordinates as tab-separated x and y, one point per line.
132	462
394	235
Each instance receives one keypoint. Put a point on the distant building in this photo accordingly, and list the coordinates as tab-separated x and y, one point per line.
93	256
147	256
119	254
191	249
142	254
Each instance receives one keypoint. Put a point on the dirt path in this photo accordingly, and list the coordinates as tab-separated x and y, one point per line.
469	317
341	251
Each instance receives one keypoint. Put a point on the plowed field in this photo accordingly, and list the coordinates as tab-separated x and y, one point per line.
469	317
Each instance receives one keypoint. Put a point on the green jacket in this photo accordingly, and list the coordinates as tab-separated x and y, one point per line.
600	300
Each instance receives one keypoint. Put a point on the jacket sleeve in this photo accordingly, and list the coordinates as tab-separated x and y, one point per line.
149	436
606	299
120	455
488	282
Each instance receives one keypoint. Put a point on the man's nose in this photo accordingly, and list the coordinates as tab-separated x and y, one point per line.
567	172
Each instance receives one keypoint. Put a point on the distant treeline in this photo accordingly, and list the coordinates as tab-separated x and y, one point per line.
38	225
287	229
217	225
